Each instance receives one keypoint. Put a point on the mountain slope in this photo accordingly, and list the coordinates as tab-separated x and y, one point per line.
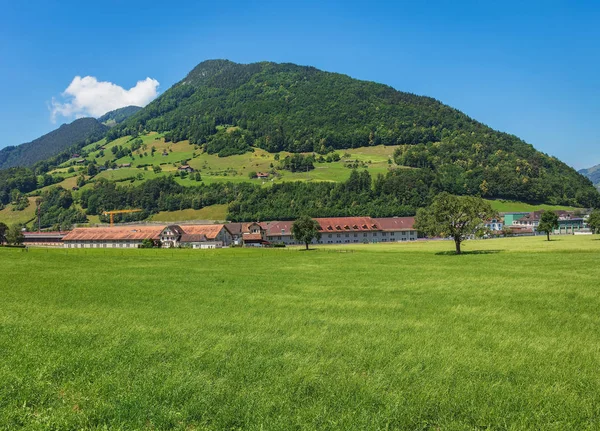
592	173
117	116
229	107
81	131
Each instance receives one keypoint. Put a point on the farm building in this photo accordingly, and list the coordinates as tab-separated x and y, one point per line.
185	168
196	236
47	239
345	230
111	237
239	230
568	221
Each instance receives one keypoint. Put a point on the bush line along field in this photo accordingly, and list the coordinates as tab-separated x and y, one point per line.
391	336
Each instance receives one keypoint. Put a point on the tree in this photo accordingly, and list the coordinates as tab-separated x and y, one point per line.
92	169
80	181
157	169
3	230
594	221
305	229
548	222
147	243
252	174
14	235
457	217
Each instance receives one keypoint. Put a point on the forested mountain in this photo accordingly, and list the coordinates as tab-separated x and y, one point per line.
117	116
80	132
223	109
302	109
592	173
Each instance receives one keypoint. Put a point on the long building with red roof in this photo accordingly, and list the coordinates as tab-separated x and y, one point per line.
348	230
334	230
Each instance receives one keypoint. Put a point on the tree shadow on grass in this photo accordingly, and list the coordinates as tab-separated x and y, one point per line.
453	253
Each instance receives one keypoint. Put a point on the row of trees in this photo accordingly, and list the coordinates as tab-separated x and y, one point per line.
12	235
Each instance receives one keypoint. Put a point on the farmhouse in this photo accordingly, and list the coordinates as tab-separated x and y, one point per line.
185	168
495	225
196	236
345	230
111	237
239	230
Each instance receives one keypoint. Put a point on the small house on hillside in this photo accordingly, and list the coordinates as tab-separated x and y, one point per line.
125	165
262	175
185	168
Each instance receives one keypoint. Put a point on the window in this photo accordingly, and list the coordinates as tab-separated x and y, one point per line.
392	233
339	235
355	235
347	235
329	235
365	234
383	233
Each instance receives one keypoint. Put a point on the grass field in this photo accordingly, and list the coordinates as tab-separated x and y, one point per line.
394	336
10	217
223	169
514	206
211	213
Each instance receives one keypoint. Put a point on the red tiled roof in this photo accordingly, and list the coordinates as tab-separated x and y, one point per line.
114	233
347	224
252	237
190	237
396	223
276	227
209	230
241	228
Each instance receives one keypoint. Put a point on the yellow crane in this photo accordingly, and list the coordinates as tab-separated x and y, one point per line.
112	213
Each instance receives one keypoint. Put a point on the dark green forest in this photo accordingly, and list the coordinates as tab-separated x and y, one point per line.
76	134
119	115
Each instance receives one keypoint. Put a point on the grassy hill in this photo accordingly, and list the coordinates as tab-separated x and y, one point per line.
395	336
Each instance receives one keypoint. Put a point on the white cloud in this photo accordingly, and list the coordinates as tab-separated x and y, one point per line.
88	97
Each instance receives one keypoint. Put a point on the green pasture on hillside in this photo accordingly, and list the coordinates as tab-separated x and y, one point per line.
211	212
515	206
368	337
9	217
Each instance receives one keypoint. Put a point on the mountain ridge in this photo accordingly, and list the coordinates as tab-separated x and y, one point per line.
78	132
592	173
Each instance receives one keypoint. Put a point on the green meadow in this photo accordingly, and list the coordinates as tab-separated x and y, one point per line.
368	337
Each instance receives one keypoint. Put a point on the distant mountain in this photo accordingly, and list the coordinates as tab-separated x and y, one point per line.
117	116
79	132
228	108
592	173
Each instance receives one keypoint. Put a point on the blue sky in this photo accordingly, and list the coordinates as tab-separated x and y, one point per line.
527	68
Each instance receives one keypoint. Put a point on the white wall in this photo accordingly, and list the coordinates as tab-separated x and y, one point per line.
350	237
